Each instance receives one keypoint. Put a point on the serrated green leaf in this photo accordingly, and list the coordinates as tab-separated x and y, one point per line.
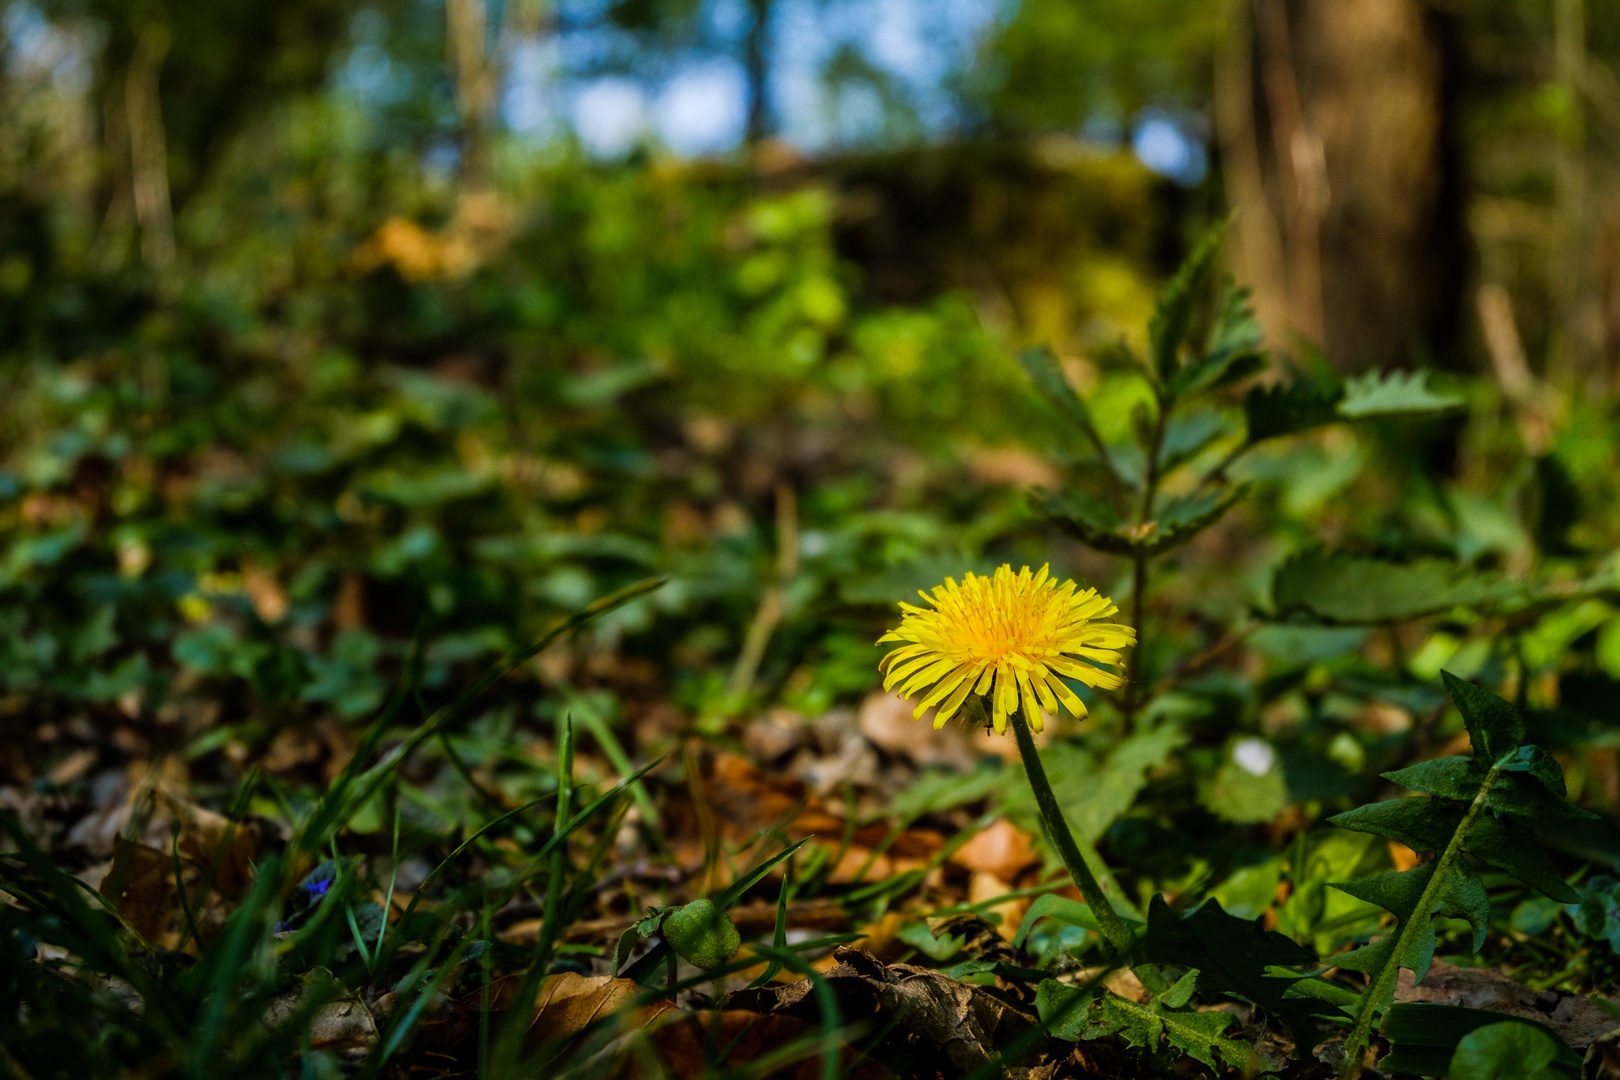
1456	778
1178	521
1043	368
1301	405
1196	1034
1233	349
1345	589
1064	1010
1394	393
1186	436
1427	824
1536	763
1510	845
1172	315
1237	956
1517	793
1461	896
1495	725
1419	823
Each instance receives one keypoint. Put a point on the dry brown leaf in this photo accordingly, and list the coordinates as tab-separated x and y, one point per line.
569	1002
211	850
1001	849
886	720
341	1024
1579	1021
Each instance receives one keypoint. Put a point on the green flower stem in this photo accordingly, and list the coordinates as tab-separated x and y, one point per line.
1114	929
1382	985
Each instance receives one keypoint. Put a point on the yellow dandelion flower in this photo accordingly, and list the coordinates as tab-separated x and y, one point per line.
1009	636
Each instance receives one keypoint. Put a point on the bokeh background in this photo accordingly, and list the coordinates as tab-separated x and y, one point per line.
328	324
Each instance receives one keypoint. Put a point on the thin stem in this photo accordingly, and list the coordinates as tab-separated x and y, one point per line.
1136	671
1113	927
1382	985
1135	675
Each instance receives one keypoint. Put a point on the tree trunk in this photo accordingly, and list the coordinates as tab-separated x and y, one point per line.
1337	127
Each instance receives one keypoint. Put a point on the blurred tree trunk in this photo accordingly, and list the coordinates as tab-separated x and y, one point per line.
1337	127
755	65
473	72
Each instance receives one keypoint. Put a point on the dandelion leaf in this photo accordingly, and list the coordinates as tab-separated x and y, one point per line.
1198	1035
1495	725
1461	896
1064	1010
1393	393
1511	846
1427	824
1240	957
1420	824
1523	794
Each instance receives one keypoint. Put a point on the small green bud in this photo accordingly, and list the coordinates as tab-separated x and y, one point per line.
702	934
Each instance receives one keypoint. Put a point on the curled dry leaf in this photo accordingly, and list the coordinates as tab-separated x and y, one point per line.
344	1023
214	867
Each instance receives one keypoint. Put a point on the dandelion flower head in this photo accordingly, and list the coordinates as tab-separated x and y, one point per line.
1011	637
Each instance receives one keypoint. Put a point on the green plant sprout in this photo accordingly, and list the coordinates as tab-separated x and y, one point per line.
1118	502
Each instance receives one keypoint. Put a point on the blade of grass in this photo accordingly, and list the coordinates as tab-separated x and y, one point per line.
242	930
779	932
509	1046
393	879
367	783
602	732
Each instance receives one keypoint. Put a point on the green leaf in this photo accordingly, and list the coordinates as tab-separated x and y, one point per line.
1095	792
1394	393
1098	525
1064	910
1509	1050
1426	1038
1237	956
1495	725
1518	793
1299	406
1461	896
1172	315
1427	824
1346	589
1536	763
1064	1009
1048	376
1233	350
939	948
1237	794
1186	436
1510	845
1419	823
1196	1034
